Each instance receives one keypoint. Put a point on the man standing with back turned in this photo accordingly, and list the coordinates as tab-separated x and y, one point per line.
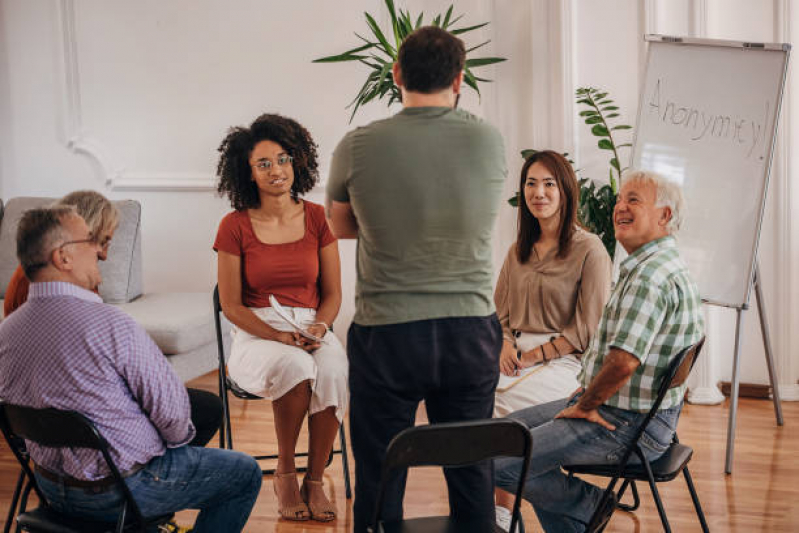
421	191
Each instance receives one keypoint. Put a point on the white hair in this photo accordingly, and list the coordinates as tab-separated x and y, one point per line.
667	194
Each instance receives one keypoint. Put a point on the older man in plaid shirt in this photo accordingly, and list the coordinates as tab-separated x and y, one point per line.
653	313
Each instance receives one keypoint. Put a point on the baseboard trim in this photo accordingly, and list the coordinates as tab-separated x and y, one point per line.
747	390
704	396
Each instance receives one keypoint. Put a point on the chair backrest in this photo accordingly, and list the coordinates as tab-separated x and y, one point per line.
57	429
674	376
218	324
678	370
456	444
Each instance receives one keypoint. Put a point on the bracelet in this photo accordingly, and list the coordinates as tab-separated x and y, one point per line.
543	355
327	328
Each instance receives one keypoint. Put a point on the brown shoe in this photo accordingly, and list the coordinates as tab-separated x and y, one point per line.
297	512
321	512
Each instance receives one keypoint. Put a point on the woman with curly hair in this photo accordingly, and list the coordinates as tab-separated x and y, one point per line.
276	244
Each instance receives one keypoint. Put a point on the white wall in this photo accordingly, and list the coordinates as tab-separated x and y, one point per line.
132	99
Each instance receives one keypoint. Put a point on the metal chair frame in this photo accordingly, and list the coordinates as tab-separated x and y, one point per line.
226	384
61	429
666	468
452	444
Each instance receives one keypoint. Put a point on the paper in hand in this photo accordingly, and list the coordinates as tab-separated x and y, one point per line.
282	313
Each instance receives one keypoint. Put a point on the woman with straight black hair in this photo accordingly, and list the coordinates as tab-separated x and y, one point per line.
550	294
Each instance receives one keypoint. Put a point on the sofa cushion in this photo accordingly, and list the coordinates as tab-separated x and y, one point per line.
177	321
122	272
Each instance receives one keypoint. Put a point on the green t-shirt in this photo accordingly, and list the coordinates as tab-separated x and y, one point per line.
425	187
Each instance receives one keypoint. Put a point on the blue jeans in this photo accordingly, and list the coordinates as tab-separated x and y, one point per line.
562	503
222	484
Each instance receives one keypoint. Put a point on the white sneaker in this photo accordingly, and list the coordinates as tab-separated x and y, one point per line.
504	518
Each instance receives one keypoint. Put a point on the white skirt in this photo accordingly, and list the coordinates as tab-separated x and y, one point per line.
271	369
546	383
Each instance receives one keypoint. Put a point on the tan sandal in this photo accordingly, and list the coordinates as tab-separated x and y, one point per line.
296	513
321	512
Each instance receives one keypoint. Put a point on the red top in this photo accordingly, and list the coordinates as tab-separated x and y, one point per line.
16	292
290	270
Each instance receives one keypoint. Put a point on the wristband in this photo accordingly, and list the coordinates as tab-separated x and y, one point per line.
327	328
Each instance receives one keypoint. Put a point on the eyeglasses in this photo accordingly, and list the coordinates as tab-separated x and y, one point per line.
266	165
38	266
79	241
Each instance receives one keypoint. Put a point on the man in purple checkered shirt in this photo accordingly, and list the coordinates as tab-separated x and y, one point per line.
66	349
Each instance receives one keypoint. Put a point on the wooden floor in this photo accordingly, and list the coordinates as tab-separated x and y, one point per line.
762	495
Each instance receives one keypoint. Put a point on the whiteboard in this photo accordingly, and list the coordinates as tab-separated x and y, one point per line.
707	118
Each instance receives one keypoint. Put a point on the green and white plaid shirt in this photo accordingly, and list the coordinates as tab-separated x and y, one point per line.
653	313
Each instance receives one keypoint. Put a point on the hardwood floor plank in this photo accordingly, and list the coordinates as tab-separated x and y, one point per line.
760	496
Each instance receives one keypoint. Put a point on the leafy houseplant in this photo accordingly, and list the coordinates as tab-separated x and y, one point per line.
379	53
596	203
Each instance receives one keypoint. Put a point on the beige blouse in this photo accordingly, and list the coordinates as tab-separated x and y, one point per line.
556	296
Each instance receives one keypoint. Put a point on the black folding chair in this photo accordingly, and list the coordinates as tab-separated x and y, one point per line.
226	384
452	445
62	429
665	468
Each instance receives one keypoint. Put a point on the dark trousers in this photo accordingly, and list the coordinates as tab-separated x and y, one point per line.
206	415
452	364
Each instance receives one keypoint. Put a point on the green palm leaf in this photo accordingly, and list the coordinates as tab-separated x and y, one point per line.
378	53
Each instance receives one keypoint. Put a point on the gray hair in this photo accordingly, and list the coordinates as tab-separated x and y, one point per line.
38	233
668	194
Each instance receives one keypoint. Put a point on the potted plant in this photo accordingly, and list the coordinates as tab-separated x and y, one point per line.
595	210
379	53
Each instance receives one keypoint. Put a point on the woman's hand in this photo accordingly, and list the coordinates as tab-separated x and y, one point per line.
317	330
292	338
286	337
508	362
532	357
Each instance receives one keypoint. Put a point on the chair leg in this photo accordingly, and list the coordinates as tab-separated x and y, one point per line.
345	461
14	502
656	496
695	498
593	523
228	430
23	501
636	498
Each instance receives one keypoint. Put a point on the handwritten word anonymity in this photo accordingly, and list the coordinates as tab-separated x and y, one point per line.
703	125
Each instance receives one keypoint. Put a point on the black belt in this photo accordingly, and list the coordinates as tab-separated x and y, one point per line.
68	481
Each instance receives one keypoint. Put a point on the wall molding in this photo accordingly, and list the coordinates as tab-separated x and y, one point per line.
78	141
698	21
785	197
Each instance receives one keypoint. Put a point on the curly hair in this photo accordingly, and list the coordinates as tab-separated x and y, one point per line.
235	173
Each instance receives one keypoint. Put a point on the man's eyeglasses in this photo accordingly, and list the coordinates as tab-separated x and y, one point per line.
78	241
265	164
37	266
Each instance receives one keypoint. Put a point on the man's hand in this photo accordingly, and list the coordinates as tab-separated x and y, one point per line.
574	411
